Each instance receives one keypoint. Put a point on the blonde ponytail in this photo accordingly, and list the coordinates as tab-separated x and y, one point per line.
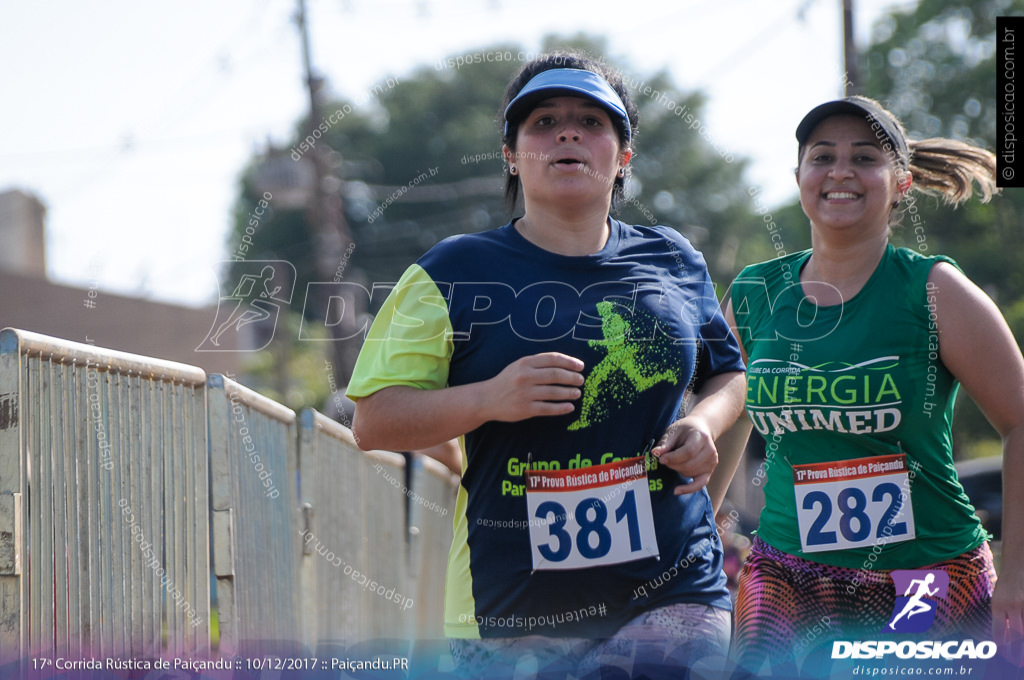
950	169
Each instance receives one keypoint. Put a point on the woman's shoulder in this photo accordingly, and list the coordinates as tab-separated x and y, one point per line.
917	258
654	231
462	247
786	266
916	267
658	235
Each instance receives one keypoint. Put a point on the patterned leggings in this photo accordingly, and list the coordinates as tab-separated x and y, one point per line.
669	637
787	606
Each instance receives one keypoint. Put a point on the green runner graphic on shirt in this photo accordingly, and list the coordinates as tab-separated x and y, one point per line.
618	378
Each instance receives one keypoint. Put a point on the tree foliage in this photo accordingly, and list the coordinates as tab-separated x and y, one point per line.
422	161
935	69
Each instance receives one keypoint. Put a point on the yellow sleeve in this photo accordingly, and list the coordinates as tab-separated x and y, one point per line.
410	341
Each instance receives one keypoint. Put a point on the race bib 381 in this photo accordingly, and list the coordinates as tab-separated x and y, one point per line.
590	517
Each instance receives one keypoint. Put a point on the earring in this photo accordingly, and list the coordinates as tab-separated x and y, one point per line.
622	172
513	170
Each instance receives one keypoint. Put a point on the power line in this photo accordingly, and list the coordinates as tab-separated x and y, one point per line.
759	40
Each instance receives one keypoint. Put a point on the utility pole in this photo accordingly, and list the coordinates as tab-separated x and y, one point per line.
329	227
851	81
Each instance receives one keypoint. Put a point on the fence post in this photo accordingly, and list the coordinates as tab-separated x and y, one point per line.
118	502
13	595
252	448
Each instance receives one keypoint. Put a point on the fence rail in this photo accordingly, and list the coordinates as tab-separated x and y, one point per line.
103	458
128	483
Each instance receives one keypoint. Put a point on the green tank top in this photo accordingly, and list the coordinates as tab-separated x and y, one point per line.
856	410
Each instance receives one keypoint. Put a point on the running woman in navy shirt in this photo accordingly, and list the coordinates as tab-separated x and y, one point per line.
558	349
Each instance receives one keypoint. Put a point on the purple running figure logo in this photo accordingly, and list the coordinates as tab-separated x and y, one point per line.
915	608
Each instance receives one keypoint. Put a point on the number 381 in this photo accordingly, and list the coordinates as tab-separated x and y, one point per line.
591	526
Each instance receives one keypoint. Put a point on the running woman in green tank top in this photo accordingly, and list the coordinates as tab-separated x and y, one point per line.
855	352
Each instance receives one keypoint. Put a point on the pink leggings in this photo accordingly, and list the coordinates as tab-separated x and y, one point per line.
672	636
788	605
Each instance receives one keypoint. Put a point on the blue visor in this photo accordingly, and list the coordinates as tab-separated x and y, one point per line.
572	82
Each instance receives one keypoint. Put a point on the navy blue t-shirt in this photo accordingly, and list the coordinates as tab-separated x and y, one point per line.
643	317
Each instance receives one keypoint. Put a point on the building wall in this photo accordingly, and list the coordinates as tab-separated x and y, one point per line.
113	321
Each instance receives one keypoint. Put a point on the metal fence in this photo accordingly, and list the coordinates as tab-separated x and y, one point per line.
431	500
353	536
253	509
103	484
115	472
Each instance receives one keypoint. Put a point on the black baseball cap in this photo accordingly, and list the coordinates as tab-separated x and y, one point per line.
880	120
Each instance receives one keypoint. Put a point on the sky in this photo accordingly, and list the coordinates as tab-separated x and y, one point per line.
133	122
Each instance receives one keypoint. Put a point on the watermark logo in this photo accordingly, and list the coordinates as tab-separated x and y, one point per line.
915	608
253	292
914	612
